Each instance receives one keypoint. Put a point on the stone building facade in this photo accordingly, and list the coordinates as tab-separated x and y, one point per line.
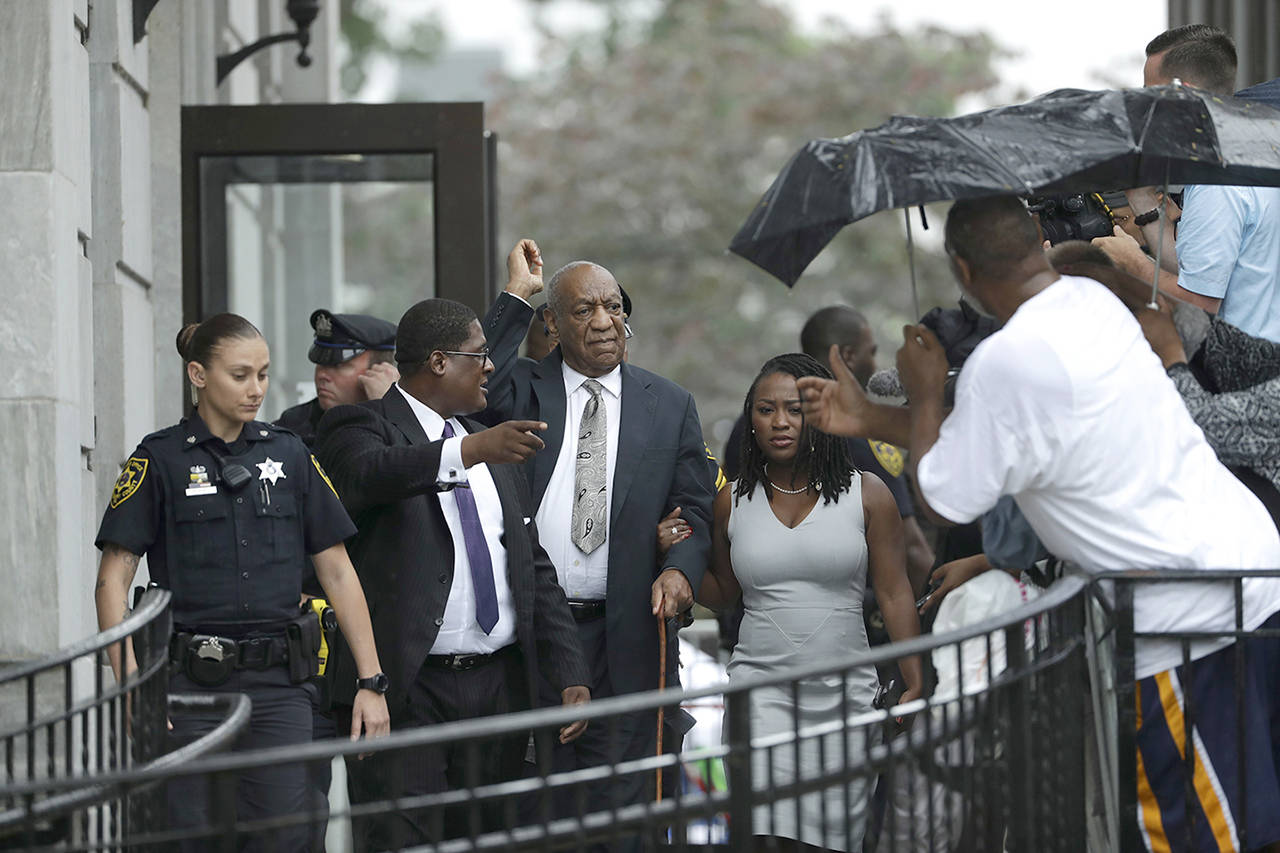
91	261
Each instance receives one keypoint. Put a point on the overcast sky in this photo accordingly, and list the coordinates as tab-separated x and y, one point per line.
1085	44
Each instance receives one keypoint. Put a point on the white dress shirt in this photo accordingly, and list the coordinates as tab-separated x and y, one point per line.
584	576
460	633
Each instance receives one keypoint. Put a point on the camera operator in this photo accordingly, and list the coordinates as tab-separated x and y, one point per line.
1227	250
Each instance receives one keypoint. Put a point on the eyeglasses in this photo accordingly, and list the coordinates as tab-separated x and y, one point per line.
483	354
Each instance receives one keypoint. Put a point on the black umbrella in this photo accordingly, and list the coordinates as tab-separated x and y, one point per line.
1066	141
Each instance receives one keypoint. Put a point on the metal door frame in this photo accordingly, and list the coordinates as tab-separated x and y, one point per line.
453	133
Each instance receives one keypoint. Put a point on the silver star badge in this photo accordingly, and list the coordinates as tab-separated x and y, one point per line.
271	470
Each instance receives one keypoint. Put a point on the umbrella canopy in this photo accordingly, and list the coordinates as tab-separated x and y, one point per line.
1267	93
1066	141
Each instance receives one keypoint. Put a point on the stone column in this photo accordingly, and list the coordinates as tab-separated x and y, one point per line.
46	388
120	251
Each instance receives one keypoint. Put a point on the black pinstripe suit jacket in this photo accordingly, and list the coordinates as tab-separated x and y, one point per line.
385	471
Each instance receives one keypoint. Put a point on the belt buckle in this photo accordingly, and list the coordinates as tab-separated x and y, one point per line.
461	662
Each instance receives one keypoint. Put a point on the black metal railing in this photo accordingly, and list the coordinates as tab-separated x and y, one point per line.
1121	588
990	759
1028	734
77	727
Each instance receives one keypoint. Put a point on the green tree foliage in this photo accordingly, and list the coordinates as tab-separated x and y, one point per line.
364	37
644	146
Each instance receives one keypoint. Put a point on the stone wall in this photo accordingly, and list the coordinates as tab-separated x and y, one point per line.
47	435
91	263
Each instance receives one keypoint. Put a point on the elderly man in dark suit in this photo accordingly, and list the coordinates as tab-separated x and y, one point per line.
467	610
623	449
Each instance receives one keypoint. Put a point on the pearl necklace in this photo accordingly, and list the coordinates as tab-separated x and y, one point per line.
798	491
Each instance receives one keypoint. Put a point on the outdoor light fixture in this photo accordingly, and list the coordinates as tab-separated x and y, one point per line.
303	13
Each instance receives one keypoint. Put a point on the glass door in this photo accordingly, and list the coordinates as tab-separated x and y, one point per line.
361	209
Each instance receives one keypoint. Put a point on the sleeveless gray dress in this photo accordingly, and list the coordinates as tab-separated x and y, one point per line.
802	592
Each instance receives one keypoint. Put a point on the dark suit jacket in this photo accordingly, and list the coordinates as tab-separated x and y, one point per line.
384	468
661	464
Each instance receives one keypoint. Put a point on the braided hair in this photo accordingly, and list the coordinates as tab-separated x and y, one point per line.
825	457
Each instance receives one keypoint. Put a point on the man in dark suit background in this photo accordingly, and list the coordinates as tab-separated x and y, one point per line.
466	608
623	449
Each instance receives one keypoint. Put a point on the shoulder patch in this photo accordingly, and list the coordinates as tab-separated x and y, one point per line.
889	457
721	482
131	477
323	475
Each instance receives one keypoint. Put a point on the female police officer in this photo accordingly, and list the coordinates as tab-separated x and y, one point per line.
227	509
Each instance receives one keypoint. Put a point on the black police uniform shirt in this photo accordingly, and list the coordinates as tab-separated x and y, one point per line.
233	559
304	419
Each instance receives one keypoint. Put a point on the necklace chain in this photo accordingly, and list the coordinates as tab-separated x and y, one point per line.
800	490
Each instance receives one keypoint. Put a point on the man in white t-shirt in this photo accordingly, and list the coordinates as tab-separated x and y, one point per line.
1068	410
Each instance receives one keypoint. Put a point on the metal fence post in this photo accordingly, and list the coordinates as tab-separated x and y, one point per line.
738	768
1020	811
1126	718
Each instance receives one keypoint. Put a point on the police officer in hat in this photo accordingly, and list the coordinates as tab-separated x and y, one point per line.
228	510
354	355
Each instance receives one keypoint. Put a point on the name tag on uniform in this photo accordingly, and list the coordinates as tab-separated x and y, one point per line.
199	482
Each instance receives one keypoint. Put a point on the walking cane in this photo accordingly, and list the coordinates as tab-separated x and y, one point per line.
662	685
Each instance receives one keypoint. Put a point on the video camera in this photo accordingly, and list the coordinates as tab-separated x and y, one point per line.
1081	216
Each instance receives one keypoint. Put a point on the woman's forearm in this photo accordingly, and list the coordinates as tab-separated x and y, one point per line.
903	623
111	599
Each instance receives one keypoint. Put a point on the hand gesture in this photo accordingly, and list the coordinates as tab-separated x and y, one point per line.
1125	252
524	270
576	695
922	365
672	529
508	442
378	379
834	406
671	594
951	575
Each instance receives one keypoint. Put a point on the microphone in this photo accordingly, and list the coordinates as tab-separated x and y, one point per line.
886	383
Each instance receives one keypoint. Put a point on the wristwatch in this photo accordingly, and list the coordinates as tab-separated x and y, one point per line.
378	683
1147	218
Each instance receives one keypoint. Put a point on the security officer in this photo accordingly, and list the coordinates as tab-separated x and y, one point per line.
227	509
354	355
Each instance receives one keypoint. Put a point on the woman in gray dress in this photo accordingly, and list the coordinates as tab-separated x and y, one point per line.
797	537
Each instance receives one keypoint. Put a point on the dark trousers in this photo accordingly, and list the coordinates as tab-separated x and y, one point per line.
440	695
281	716
606	741
321	775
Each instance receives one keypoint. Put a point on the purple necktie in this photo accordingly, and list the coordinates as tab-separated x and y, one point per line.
477	553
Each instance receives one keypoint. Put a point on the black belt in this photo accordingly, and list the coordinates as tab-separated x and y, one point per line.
585	610
254	653
463	662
